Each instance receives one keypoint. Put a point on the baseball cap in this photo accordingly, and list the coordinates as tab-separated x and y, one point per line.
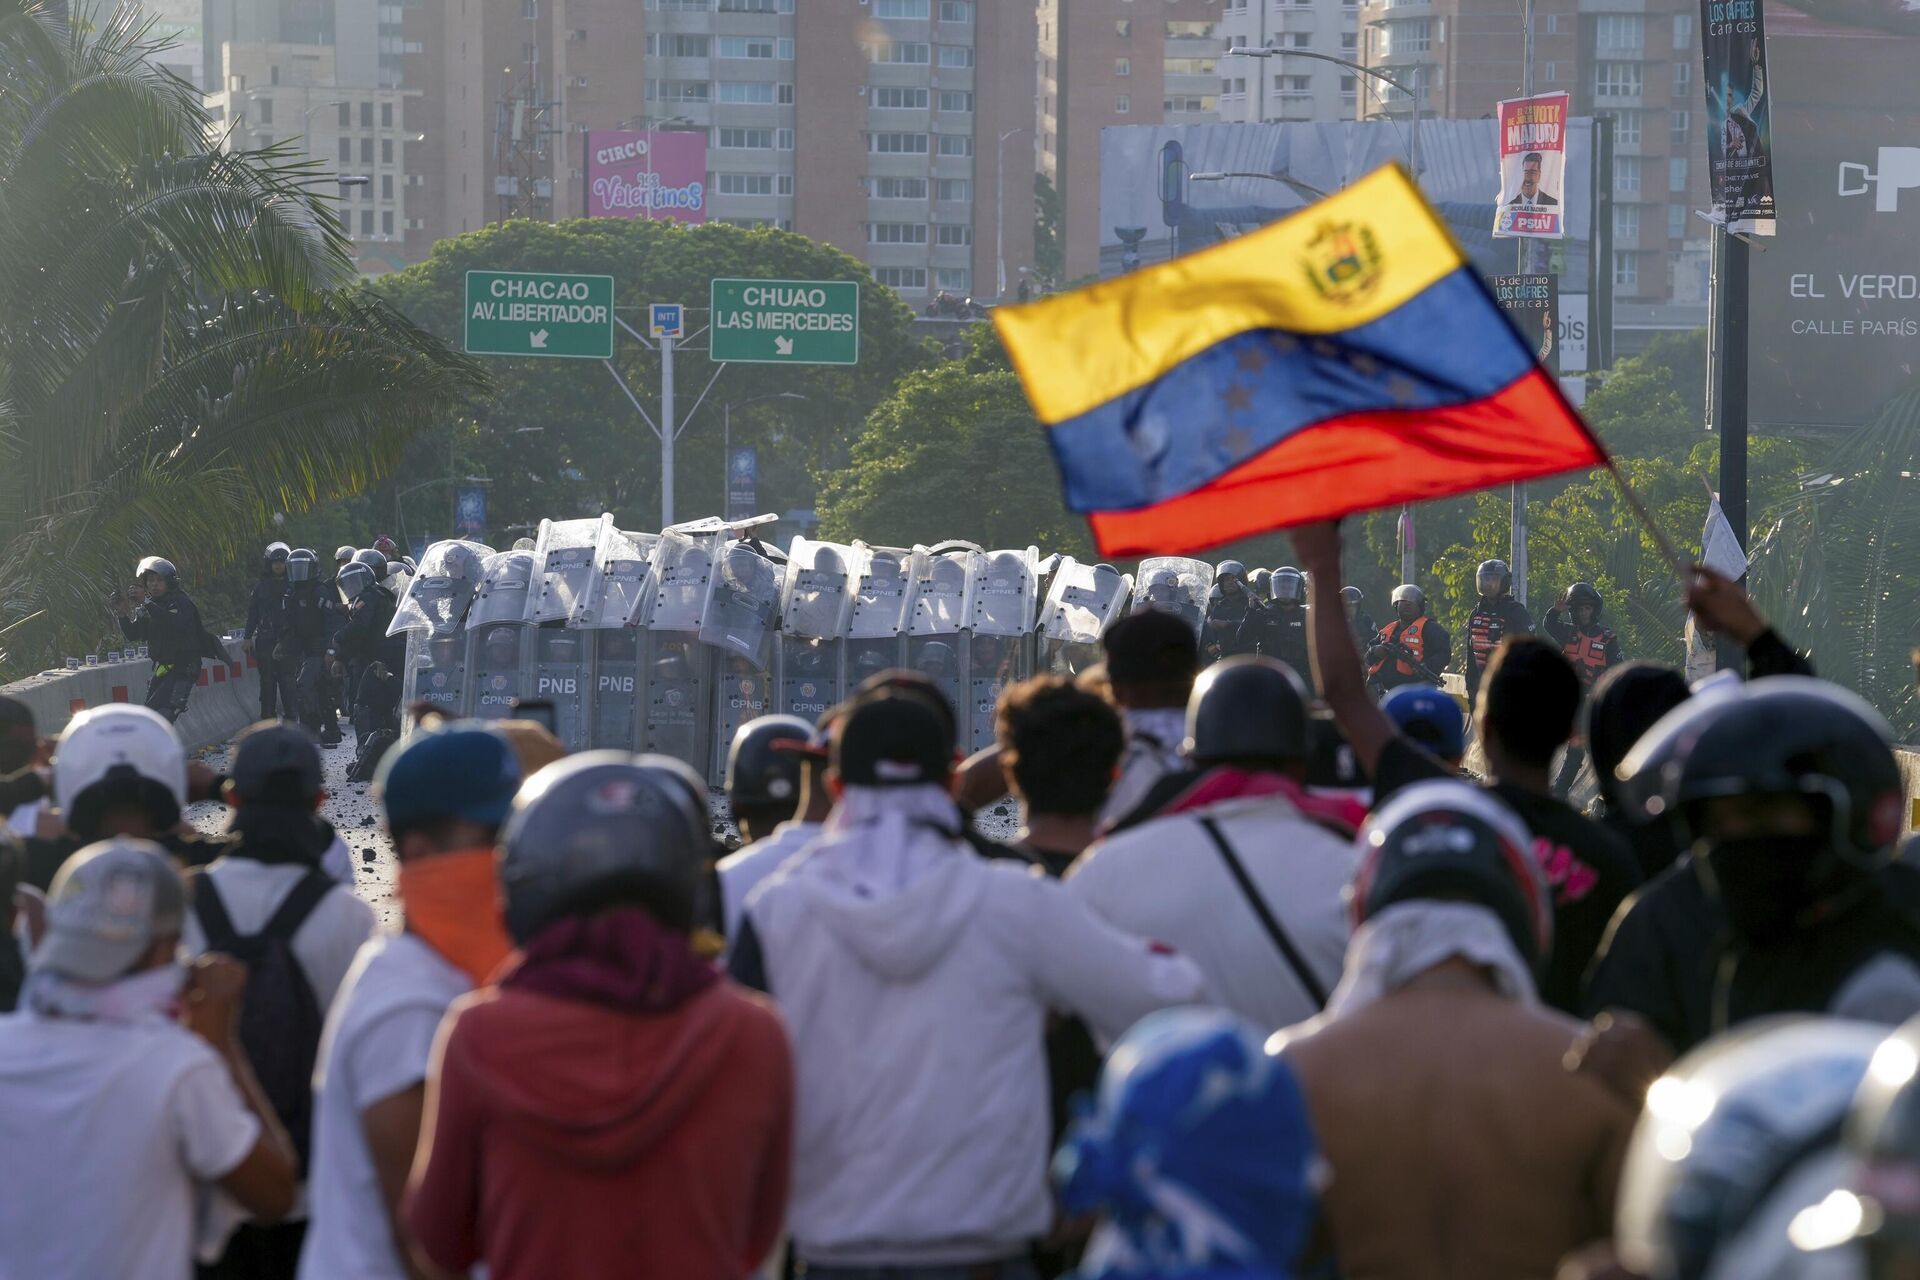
892	740
462	771
817	745
108	904
1148	646
275	762
901	682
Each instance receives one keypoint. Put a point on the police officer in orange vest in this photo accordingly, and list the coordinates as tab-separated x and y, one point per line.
1413	648
1497	616
1574	624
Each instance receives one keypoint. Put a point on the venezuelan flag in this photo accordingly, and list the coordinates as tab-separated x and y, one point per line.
1345	358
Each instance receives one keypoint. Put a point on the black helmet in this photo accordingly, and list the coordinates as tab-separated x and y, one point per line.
1248	707
599	825
1353	595
354	580
277	552
1493	578
300	565
756	773
1407	591
1260	580
373	560
1779	735
1444	839
156	565
1289	584
1584	593
1230	569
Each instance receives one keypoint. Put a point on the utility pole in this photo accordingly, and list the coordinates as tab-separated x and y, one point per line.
1517	547
1727	391
668	431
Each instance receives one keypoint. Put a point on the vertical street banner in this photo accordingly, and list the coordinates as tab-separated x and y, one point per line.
1739	116
743	481
470	512
1532	303
1533	167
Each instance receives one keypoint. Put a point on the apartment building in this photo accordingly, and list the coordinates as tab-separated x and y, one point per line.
1103	64
1286	89
1461	57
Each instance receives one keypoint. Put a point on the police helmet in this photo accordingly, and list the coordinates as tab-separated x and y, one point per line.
353	581
1406	591
300	565
560	646
935	658
1493	578
1259	580
1445	839
1736	1143
1429	717
1248	707
1584	593
1353	595
1162	586
757	773
1289	585
277	552
387	547
1230	569
373	560
342	554
157	565
598	826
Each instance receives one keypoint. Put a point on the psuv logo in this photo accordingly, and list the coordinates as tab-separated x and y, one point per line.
1896	169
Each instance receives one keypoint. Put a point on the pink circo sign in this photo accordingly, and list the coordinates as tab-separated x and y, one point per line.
649	175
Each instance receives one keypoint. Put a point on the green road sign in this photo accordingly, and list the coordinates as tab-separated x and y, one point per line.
786	321
539	313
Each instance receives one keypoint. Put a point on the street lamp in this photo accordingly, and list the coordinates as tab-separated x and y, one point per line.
1372	73
1000	215
726	433
1306	191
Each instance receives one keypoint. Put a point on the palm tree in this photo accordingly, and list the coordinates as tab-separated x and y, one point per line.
183	351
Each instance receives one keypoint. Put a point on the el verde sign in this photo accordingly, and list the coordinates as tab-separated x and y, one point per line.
539	313
786	321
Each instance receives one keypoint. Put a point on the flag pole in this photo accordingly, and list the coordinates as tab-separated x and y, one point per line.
1680	564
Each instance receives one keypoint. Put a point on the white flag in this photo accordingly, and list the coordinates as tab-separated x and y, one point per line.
1719	549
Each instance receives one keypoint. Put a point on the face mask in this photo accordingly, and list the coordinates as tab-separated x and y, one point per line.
1766	881
453	903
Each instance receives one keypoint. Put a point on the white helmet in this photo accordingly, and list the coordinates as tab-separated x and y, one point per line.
121	736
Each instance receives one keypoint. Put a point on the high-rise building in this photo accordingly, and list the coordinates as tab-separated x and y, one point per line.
1101	65
1283	89
1462	56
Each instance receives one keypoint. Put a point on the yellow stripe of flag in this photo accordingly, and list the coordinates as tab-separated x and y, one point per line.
1076	351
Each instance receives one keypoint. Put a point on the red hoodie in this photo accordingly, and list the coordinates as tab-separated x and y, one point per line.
573	1139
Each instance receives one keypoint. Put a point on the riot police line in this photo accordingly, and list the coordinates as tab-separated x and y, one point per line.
669	641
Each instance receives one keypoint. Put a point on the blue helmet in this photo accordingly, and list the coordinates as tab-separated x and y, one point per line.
1429	717
1198	1149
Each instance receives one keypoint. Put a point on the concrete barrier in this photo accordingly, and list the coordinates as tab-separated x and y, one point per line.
226	700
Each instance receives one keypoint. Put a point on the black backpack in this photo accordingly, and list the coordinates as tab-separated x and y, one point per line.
280	1017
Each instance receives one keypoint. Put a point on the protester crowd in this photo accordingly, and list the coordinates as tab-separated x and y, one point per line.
1263	985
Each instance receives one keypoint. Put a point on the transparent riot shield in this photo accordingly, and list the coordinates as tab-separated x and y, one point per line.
1176	585
559	676
876	628
816	605
436	673
683	567
614	713
497	648
432	613
563	558
1001	648
937	623
621	588
742	606
609	615
1082	602
675	706
741	692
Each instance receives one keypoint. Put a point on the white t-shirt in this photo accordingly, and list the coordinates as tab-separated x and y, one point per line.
741	872
110	1127
324	945
379	1036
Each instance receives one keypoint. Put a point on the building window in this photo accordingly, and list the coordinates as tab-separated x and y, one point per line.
1626	175
896	233
785	49
747	92
530	9
1676	222
743	46
1188	66
901	52
1348	40
366	151
954	279
745	184
956	10
1553	24
386	222
901	277
897	188
1413	35
1123	27
744	139
1549	71
1678	127
264	108
1626	221
1292	84
386	115
897	144
783	139
1676	173
901	9
366	115
1626	270
346	151
899	97
1190	30
1191	102
346	117
957	100
1123	66
1617	79
954	233
1122	104
1682	31
1626	128
786	95
386	151
954	191
1619	33
386	186
366	223
956	144
681	90
1682	78
956	56
686	46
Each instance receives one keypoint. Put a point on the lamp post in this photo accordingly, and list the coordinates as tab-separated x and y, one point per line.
1305	190
1000	215
1372	73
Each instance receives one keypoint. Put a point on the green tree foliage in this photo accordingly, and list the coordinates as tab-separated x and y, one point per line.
179	356
1049	257
954	452
558	438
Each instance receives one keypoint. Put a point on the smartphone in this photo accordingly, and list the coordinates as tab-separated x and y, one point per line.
538	710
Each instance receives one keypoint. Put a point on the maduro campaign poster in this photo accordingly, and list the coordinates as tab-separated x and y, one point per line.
1532	303
1533	167
1739	118
653	175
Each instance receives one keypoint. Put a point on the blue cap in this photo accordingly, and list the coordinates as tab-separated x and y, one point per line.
1429	717
458	771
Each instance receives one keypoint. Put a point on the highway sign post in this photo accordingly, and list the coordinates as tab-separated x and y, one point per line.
666	320
539	313
785	322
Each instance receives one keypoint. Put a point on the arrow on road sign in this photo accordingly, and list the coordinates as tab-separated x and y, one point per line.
538	338
784	346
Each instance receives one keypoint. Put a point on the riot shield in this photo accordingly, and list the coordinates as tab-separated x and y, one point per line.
1082	602
742	691
875	640
436	598
816	605
620	590
496	635
560	677
613	716
436	673
563	558
937	643
743	598
682	568
675	706
1001	648
1176	585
